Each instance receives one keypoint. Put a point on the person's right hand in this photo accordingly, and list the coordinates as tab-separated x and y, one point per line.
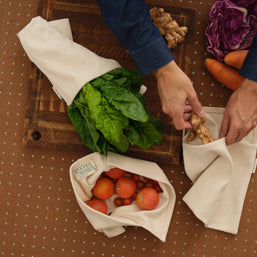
177	94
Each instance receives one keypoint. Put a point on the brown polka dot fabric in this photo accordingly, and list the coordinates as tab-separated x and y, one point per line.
39	215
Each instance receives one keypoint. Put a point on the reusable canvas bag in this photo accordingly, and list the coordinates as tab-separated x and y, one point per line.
68	65
88	170
220	174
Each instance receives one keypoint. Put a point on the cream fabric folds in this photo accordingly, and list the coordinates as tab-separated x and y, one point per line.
156	221
220	174
68	65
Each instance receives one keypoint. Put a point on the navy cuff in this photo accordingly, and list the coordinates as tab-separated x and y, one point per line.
152	56
249	68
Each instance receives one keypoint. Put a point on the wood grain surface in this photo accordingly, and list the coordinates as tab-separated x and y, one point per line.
47	123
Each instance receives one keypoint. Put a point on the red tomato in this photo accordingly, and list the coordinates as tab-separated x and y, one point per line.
158	188
115	173
147	198
127	201
103	189
125	187
140	184
98	205
118	201
149	183
136	177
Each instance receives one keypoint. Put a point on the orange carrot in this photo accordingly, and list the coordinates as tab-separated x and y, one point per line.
236	58
224	74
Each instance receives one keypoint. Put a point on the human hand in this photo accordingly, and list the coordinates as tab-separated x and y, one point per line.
177	95
240	115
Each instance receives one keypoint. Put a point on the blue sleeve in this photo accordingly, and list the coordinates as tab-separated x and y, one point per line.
249	68
130	21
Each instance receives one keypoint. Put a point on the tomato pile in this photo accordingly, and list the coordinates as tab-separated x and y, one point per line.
127	187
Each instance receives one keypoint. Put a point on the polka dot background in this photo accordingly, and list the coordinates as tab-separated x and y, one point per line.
39	213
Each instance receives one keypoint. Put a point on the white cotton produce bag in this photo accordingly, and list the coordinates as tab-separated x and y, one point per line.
220	174
68	65
156	221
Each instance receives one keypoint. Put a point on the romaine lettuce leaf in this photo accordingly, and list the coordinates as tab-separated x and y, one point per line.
144	134
130	79
85	127
108	120
109	113
122	100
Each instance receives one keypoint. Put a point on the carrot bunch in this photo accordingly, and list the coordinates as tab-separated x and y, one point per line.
227	73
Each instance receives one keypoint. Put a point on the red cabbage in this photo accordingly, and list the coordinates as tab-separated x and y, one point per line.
231	26
250	5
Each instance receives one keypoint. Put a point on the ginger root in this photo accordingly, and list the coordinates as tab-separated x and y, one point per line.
199	129
168	27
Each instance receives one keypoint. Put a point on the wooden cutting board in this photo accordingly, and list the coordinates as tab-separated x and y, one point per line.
47	123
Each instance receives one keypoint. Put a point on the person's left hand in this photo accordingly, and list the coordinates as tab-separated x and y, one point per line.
240	115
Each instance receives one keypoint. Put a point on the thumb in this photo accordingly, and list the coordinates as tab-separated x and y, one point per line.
224	125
